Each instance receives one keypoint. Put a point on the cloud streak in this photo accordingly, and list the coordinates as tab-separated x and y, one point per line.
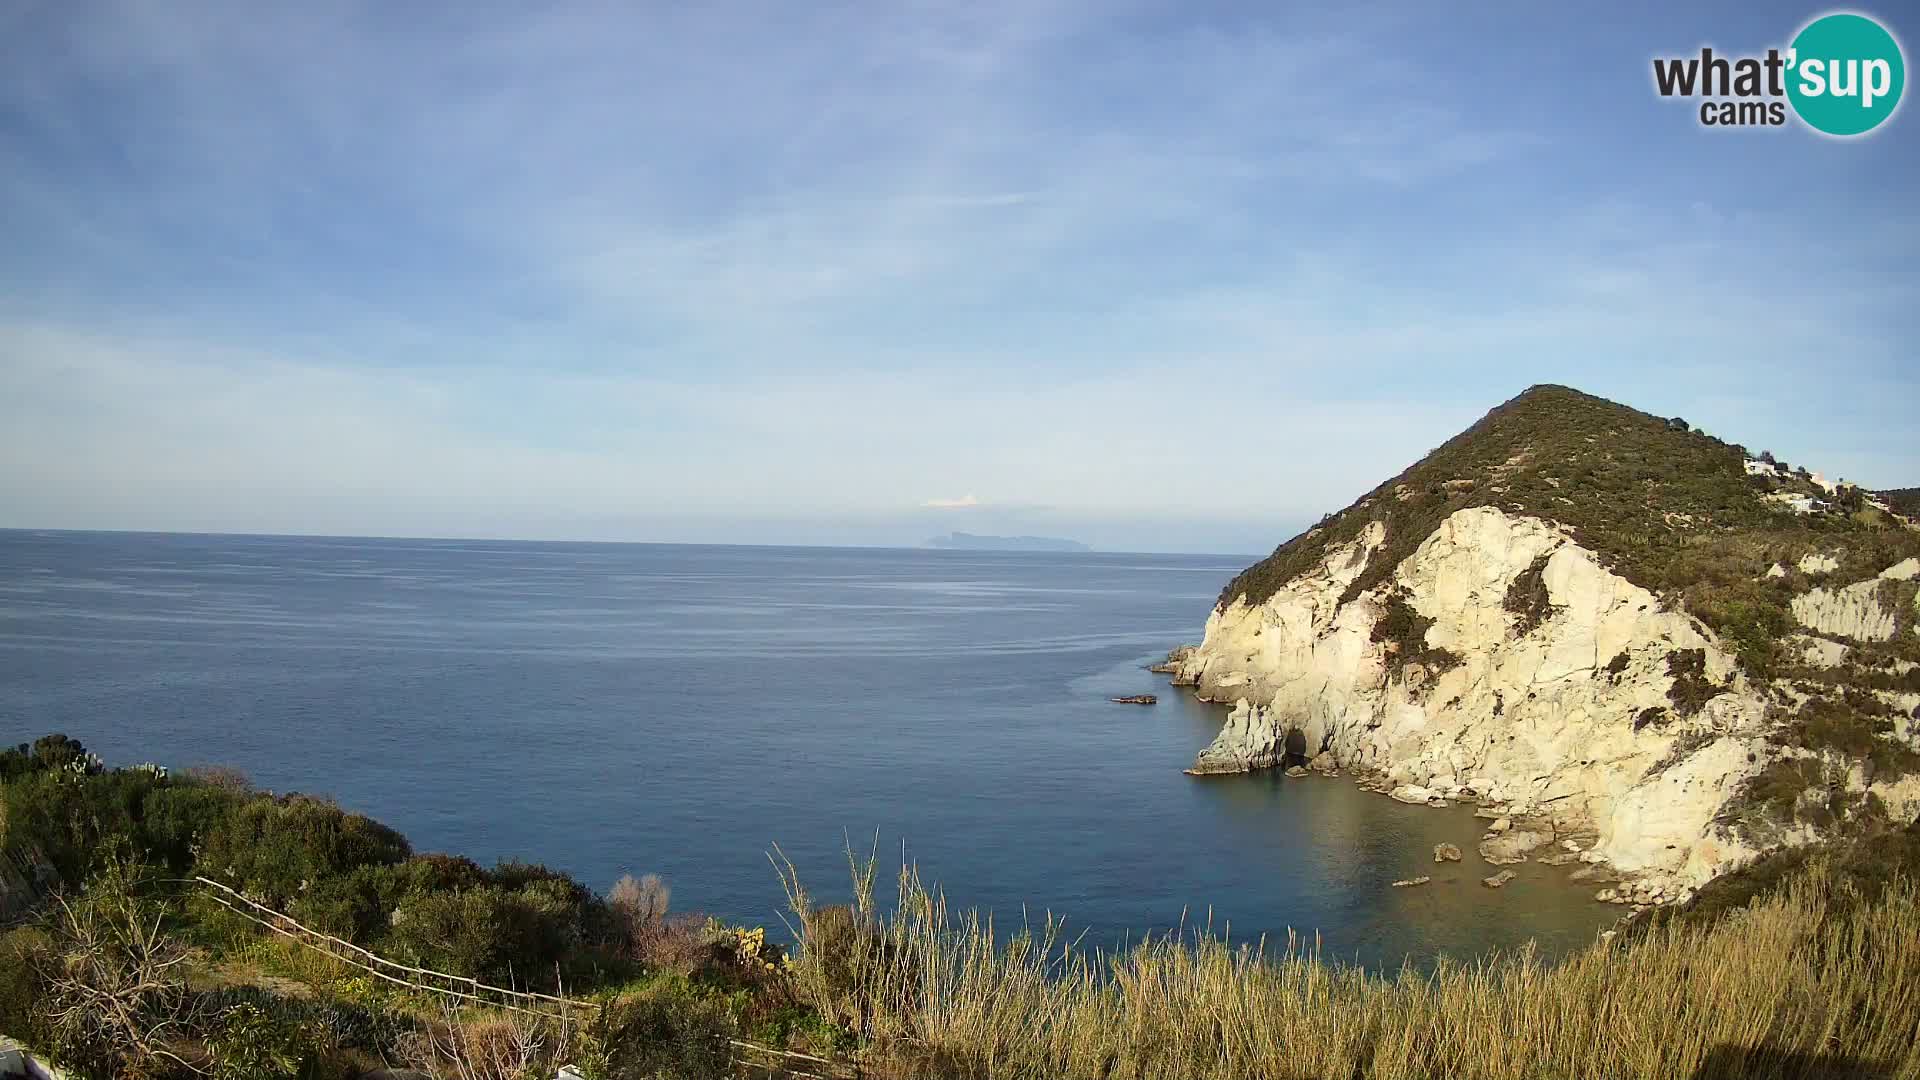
593	270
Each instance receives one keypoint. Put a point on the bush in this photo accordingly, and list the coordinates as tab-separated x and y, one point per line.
1404	630
49	754
274	848
525	927
224	777
641	902
1691	689
114	995
1774	793
666	1028
77	823
679	944
24	953
252	1044
1527	597
493	1046
1855	724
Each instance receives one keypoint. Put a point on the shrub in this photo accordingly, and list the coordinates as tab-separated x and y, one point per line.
24	953
223	777
1774	792
1856	724
492	1045
516	930
678	944
115	997
642	902
274	848
252	1044
666	1028
1404	630
1691	689
49	753
77	823
1527	597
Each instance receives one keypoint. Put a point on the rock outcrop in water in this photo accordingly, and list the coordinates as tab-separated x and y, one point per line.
1497	656
1249	740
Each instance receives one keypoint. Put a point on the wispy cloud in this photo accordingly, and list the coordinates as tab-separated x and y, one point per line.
343	264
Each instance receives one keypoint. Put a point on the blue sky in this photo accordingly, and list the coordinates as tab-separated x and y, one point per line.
1155	276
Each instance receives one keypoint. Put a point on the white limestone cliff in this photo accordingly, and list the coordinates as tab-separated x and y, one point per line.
1854	611
1569	722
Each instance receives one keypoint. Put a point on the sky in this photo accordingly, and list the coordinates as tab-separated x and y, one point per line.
1155	276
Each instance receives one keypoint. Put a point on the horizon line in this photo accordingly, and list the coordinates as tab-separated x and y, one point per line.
924	547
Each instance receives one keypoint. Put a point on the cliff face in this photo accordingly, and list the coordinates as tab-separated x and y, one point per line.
1500	660
1571	719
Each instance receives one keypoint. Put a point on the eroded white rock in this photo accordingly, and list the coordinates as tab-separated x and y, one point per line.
1543	724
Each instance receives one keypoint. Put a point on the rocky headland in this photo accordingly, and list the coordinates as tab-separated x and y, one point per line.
1634	646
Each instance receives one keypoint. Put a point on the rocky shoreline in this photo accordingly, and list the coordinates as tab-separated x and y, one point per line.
1251	739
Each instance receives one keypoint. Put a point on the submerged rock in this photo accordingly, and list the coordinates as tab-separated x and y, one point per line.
1511	847
1498	879
1297	770
1408	882
1446	853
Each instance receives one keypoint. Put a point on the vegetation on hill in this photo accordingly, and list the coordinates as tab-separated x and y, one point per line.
1666	506
1904	500
127	969
1708	527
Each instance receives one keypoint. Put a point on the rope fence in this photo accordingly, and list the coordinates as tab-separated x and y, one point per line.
547	1006
783	1063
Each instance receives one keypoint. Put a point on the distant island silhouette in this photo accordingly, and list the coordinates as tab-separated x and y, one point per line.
974	542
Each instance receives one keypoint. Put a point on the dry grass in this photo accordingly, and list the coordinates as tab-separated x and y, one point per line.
1780	989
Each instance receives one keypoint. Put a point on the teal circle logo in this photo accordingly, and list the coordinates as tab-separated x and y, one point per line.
1845	74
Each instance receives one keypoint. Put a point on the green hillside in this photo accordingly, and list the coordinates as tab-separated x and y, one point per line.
1664	505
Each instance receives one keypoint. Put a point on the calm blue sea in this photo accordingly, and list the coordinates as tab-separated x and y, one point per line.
614	708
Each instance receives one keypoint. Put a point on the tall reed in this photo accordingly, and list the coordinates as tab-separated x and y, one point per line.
1778	990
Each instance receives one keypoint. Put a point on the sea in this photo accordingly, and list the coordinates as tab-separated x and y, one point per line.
696	711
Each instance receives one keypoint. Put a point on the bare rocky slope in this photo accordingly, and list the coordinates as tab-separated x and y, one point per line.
1653	651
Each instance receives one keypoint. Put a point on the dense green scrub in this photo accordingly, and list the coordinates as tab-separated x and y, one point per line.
108	853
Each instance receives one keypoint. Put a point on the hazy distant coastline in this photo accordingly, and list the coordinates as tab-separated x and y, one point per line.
974	542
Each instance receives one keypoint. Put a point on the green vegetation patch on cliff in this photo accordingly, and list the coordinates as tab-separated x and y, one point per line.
1667	507
1404	630
1527	597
